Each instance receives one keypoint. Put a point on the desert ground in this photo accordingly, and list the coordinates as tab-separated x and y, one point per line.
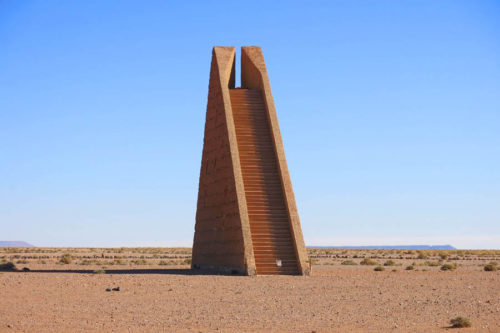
65	290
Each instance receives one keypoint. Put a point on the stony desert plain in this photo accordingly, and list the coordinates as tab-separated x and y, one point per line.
71	290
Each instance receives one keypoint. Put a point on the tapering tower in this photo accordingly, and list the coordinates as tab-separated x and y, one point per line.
246	219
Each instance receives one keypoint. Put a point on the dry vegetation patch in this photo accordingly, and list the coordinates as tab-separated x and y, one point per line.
460	322
368	261
166	258
448	267
96	258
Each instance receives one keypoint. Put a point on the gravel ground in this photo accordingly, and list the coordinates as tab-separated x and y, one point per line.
335	298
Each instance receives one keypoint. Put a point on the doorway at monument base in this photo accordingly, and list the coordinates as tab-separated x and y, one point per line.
246	219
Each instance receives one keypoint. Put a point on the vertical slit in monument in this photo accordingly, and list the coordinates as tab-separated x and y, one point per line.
237	55
232	77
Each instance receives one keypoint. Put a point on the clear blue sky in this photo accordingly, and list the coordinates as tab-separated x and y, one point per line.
389	111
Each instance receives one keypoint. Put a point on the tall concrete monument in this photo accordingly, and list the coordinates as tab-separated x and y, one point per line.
246	219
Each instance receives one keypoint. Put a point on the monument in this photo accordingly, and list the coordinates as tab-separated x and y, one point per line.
246	219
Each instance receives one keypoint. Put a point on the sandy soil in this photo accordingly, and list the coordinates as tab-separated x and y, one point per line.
336	298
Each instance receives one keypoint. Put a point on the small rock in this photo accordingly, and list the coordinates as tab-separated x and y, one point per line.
26	269
116	289
108	289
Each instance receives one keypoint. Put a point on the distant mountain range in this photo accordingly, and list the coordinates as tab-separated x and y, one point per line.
368	247
14	244
390	247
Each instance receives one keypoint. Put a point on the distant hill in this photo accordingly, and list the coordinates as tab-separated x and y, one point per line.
390	247
14	244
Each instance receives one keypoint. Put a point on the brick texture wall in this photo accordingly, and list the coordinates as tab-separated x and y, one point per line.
221	241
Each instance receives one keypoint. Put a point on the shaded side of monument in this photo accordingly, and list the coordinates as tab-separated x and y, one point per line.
246	219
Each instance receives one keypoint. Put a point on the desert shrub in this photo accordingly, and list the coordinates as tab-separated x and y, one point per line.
348	262
163	263
431	263
379	269
99	271
491	267
22	261
459	322
368	261
443	256
422	255
313	261
139	262
66	259
118	262
187	261
410	268
448	267
389	263
7	266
